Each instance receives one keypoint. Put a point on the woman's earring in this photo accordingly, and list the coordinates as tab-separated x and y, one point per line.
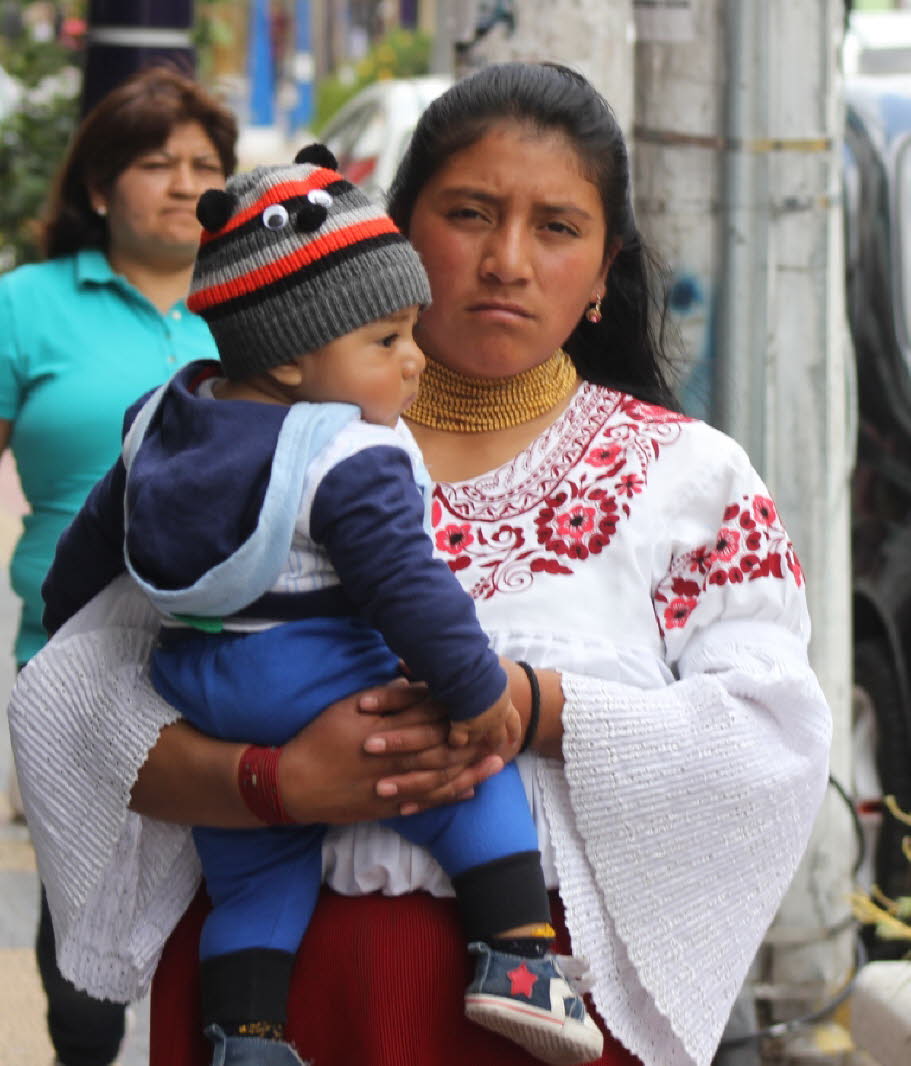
593	314
101	209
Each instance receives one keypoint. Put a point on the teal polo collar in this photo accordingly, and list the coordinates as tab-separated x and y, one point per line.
92	266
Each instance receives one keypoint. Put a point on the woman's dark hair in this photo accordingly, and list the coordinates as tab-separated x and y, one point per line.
627	349
136	117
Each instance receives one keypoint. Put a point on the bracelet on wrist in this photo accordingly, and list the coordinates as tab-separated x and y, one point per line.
257	780
534	715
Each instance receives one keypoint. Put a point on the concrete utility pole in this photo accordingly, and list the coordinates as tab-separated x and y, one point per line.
595	38
738	158
736	137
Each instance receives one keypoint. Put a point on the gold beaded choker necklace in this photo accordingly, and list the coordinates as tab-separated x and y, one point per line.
452	401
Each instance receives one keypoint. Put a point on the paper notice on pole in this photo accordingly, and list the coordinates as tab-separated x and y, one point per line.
664	20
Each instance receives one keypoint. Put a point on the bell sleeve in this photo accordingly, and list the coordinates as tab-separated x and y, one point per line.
682	811
83	718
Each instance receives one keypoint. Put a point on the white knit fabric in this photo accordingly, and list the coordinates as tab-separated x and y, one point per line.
639	554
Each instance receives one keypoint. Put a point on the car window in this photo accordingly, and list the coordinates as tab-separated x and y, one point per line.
356	144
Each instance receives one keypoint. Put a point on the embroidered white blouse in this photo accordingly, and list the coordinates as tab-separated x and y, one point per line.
632	549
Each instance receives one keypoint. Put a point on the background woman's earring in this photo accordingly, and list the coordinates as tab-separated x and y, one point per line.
593	314
101	209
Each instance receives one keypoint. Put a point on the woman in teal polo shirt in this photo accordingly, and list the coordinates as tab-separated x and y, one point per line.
85	333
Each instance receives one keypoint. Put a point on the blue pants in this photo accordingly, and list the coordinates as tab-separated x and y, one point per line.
264	688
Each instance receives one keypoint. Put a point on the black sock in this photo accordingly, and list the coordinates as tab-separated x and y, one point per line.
529	947
507	893
246	988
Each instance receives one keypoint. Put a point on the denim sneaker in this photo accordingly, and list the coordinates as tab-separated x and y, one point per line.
532	1003
250	1050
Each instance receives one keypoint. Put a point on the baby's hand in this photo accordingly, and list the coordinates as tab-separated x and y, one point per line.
498	728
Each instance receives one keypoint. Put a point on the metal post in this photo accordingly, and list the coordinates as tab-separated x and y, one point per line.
408	14
259	66
743	328
124	36
302	67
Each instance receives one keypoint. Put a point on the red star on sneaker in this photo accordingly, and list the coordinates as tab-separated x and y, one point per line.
521	981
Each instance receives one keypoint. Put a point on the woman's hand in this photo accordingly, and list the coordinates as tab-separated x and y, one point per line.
369	756
376	754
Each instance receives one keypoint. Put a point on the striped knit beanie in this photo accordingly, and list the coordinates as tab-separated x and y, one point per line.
292	257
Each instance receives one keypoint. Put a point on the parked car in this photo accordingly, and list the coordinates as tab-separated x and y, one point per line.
370	133
877	183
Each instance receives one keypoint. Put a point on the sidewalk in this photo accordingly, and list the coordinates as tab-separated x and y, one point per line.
23	1035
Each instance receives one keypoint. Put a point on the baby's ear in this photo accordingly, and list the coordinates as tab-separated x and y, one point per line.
214	209
317	154
288	374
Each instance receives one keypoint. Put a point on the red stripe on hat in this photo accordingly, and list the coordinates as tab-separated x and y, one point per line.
285	190
289	264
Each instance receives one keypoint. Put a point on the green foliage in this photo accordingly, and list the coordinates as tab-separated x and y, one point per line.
33	137
399	54
210	30
32	141
29	61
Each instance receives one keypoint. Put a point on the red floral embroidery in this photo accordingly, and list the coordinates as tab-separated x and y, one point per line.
630	484
678	611
577	531
764	510
605	455
576	522
726	543
559	502
790	557
454	538
751	544
701	559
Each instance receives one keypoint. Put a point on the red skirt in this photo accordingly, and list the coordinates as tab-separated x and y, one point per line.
379	981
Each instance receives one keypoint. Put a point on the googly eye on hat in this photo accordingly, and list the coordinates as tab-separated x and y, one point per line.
292	257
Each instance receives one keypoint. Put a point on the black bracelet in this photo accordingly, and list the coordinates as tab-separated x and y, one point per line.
535	714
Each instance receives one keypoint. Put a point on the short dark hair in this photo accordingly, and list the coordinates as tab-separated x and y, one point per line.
137	116
628	348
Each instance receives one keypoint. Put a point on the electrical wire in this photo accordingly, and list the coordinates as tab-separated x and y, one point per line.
855	821
780	1029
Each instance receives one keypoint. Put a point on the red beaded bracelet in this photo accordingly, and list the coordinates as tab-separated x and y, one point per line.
257	779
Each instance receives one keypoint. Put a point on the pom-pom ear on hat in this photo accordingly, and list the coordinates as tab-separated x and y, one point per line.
317	154
214	209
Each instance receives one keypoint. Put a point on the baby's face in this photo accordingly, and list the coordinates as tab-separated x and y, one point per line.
377	367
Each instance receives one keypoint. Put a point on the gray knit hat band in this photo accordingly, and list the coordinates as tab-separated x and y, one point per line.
281	325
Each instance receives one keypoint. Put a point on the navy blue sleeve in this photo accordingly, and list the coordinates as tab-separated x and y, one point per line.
368	515
89	553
